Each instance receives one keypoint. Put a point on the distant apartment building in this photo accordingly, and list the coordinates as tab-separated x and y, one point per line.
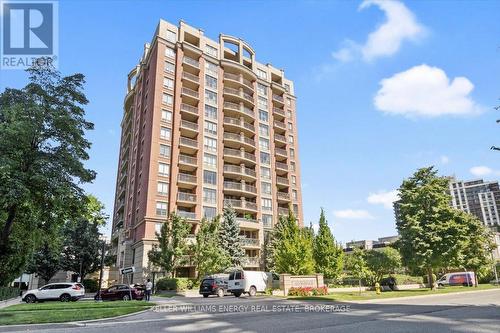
204	126
367	244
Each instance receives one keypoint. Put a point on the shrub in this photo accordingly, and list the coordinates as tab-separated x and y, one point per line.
90	285
307	291
8	292
177	284
425	280
320	291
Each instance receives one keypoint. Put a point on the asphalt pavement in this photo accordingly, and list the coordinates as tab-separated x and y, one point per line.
464	312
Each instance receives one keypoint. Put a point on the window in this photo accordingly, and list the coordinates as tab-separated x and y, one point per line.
209	177
263	116
294	194
266	187
289	113
290	139
169	52
166	115
211	82
265	158
169	67
209	195
209	212
263	130
210	127
162	188
211	50
292	153
165	133
168	83
163	169
262	102
171	36
294	180
262	74
267	220
158	228
210	160
210	97
264	143
211	68
161	208
265	172
210	144
290	126
288	102
292	166
266	204
210	112
287	87
261	89
167	99
165	151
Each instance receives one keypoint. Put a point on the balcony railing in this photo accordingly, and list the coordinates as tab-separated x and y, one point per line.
282	166
188	142
189	108
278	98
279	124
235	203
188	197
283	211
281	112
187	159
239	153
245	241
283	195
236	137
187	215
240	170
244	220
237	107
240	93
189	125
186	178
239	186
279	137
282	180
190	92
191	61
280	151
251	261
189	76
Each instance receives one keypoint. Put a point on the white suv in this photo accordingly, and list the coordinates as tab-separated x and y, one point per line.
63	291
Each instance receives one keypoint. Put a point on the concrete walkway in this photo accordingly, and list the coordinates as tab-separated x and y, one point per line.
9	302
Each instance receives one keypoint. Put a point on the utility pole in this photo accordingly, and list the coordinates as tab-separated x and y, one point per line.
103	250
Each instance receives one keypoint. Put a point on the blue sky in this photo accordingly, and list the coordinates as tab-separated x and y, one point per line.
383	88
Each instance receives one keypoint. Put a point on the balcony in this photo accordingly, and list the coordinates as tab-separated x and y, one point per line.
190	80
250	242
282	181
239	188
188	145
187	163
279	112
188	199
187	215
239	110
241	205
239	172
279	99
236	156
238	79
238	95
251	262
189	128
280	153
190	94
189	109
191	64
280	138
283	211
185	180
236	141
283	196
280	125
239	125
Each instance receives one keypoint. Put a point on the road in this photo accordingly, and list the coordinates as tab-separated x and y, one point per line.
465	312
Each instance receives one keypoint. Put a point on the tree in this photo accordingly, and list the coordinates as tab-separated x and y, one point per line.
169	252
42	150
46	261
229	237
356	264
208	255
291	247
82	245
327	253
383	262
431	235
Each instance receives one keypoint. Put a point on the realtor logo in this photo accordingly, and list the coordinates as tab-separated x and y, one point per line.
29	32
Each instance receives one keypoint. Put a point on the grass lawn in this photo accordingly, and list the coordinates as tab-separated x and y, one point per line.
365	295
56	312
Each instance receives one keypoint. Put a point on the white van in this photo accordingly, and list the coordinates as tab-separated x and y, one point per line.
457	279
251	282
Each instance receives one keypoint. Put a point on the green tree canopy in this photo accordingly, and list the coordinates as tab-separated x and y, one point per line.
229	237
356	264
385	261
328	255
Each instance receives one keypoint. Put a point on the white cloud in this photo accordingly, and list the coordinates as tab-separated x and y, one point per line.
424	91
444	159
400	25
354	214
383	198
482	170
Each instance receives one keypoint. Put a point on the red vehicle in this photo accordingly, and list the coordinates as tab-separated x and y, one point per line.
120	292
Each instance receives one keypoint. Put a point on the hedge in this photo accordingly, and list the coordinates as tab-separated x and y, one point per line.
8	292
307	291
91	285
177	284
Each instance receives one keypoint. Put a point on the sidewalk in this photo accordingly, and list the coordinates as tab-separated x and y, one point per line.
9	302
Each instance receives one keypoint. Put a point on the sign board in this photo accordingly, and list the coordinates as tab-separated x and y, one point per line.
127	270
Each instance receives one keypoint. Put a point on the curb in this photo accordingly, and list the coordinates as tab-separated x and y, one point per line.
67	324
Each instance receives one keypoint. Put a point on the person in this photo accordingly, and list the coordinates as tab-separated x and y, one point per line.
149	289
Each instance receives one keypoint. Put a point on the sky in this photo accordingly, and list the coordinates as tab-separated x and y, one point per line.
383	88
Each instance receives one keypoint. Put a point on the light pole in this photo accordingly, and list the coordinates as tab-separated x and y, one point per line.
494	268
103	250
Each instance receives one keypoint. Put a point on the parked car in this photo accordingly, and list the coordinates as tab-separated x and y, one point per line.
214	286
250	282
120	292
63	291
457	279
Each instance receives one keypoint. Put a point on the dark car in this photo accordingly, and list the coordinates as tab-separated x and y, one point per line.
214	286
120	292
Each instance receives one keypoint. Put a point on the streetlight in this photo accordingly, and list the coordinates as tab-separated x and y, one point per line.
103	250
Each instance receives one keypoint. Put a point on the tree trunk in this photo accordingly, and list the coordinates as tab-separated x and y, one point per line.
359	286
7	228
476	282
430	279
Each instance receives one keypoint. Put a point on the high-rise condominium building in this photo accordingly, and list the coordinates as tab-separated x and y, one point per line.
477	197
204	126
